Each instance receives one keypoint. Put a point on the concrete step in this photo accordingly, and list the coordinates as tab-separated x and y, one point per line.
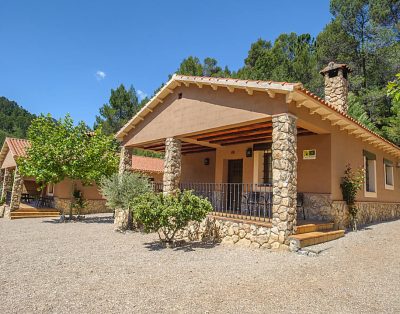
313	227
313	238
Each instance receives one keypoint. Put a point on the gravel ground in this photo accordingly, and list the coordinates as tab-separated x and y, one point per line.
85	267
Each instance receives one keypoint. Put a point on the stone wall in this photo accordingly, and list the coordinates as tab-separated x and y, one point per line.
92	207
321	207
230	231
172	165
284	165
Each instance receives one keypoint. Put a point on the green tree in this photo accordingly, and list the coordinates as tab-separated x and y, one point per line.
210	67
60	150
392	129
15	120
122	106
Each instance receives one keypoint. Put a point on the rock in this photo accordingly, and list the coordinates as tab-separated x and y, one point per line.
242	234
244	243
254	245
235	238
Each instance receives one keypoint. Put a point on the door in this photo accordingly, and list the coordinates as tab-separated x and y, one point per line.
235	179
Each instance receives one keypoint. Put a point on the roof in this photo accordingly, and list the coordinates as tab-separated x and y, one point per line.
147	164
333	66
294	92
16	146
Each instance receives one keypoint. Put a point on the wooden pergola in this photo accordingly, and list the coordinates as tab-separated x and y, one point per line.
210	140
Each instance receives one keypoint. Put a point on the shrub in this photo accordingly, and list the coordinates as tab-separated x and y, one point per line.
2	201
78	202
167	214
120	189
351	183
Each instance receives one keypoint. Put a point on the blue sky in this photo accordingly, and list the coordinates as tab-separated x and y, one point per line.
64	56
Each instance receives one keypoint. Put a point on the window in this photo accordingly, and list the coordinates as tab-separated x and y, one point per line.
389	177
370	174
262	154
50	189
267	167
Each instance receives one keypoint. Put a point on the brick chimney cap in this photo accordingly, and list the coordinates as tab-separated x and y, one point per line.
333	66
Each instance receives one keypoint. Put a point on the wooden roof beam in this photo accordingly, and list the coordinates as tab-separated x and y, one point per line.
271	93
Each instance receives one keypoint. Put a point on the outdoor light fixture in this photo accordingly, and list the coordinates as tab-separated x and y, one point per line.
206	161
249	152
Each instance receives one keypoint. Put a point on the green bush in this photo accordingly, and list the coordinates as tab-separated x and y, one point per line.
2	201
120	189
167	214
352	182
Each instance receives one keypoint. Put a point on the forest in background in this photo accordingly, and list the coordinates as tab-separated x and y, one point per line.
365	34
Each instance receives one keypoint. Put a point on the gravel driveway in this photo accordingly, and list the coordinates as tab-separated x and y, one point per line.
47	267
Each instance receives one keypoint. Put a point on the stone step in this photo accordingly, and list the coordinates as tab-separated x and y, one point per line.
34	216
313	227
33	213
299	241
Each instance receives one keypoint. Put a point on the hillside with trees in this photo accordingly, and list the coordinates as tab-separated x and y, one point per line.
14	120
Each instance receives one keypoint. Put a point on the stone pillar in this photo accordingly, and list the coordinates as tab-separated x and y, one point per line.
284	165
7	182
1	180
172	165
16	190
122	216
125	161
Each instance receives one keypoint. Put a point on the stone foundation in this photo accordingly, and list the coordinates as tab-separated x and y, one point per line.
226	231
321	207
92	207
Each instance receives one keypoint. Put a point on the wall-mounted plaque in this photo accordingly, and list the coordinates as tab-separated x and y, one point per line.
309	154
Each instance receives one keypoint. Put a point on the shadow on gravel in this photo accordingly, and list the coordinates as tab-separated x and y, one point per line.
185	247
86	220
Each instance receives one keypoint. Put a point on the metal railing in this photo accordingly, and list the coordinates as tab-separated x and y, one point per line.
233	200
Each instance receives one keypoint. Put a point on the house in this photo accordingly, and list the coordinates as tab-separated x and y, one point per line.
16	189
267	151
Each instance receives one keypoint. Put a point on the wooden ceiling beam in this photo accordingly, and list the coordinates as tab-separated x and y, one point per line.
210	139
246	141
232	130
244	138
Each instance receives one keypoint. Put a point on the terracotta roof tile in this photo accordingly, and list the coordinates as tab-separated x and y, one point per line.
147	164
17	146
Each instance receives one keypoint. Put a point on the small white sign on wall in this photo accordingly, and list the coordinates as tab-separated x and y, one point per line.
309	154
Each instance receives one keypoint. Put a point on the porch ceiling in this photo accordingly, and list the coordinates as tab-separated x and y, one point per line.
210	140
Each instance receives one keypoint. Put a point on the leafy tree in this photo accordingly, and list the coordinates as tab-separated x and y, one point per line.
122	106
121	189
60	150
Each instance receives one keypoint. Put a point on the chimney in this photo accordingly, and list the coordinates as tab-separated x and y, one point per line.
336	85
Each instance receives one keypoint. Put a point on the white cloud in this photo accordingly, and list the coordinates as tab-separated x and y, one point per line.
141	94
100	75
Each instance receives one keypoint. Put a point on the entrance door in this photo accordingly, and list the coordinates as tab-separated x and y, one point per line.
235	179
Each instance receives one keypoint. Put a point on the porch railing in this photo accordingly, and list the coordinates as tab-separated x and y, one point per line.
233	200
